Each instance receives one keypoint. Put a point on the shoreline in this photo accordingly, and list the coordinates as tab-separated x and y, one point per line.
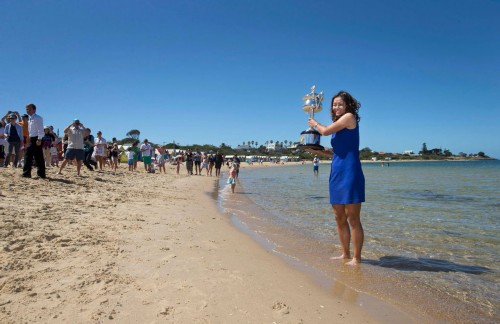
295	248
144	247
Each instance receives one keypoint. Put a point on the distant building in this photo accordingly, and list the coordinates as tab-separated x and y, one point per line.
409	152
244	147
271	147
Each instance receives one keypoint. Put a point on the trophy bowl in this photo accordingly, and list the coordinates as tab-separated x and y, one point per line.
310	138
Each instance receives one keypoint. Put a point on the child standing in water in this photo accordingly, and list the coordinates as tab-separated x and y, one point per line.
233	174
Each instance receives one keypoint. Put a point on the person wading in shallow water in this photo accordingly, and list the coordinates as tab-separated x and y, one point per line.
347	182
316	165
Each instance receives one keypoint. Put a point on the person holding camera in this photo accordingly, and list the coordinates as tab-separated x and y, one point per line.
14	136
75	132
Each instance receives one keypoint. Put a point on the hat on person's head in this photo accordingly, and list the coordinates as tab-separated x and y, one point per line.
12	116
46	127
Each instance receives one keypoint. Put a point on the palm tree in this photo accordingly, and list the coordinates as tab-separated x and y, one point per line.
286	141
253	142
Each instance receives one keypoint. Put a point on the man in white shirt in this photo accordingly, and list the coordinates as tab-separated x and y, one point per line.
146	155
316	165
34	149
75	132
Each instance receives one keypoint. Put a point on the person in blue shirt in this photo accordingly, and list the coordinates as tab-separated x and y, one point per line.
14	136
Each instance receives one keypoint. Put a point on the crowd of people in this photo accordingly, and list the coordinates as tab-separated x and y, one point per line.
26	142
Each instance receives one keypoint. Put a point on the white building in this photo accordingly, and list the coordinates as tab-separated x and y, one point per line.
271	146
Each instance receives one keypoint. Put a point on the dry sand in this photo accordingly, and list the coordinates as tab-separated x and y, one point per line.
143	248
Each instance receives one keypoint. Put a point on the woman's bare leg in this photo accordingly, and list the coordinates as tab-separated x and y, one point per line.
358	236
343	231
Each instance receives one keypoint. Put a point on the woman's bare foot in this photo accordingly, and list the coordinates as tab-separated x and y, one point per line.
354	262
341	257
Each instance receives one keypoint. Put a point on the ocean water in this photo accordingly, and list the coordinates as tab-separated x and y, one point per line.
432	232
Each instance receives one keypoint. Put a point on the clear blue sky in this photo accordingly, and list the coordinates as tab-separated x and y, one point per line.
212	72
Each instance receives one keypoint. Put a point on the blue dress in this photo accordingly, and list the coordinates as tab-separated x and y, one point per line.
347	182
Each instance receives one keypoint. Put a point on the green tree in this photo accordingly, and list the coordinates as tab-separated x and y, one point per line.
424	149
134	133
365	153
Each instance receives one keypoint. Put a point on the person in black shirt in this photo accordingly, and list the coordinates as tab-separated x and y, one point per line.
88	149
219	160
189	162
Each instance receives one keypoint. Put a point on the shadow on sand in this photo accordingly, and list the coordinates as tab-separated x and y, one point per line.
61	180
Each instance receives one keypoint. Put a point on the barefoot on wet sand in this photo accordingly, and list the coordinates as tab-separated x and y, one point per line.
353	262
340	257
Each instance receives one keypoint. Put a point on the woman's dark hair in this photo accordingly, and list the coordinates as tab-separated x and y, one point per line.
352	105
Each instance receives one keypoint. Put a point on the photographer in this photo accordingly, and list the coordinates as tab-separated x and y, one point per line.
14	136
75	132
3	142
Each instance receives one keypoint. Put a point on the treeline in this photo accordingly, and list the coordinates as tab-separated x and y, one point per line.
425	154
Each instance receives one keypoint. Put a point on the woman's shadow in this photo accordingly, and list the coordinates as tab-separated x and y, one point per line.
425	264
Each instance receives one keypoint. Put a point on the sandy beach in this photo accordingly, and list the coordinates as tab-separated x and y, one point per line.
146	248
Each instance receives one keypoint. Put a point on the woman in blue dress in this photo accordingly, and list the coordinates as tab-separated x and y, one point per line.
347	182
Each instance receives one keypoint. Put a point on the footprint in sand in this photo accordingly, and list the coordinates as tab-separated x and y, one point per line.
281	308
167	311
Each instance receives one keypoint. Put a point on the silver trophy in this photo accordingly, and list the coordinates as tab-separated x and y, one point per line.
310	138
